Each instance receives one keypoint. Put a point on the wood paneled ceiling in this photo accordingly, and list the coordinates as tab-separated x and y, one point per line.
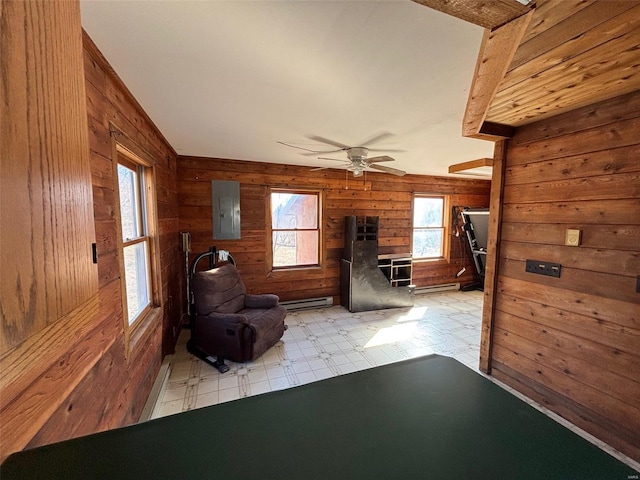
560	56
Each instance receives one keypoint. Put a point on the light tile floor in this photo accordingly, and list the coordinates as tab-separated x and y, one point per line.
332	341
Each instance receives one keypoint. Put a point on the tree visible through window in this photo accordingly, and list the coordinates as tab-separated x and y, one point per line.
295	228
135	239
428	226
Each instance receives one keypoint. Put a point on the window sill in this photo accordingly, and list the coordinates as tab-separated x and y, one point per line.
143	329
432	261
286	272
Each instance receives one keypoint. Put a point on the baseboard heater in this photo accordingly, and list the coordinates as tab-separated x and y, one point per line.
308	303
438	288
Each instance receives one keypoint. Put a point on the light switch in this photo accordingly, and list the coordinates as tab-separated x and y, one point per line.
572	237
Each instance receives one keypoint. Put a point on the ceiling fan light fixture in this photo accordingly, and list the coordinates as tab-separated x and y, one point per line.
358	162
357	153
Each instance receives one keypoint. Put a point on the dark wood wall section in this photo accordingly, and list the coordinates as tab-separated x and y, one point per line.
573	343
386	196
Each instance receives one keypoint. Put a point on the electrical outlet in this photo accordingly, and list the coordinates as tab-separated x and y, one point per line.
543	268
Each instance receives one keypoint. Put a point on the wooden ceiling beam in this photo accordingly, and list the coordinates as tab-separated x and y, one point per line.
481	165
488	13
496	52
498	130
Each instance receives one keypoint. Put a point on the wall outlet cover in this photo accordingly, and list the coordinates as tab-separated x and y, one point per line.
572	237
543	268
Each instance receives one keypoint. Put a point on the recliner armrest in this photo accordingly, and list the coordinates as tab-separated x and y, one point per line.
266	300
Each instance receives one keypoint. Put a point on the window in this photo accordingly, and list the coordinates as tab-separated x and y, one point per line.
135	238
295	228
429	226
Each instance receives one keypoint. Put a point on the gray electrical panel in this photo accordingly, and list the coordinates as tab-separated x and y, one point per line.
225	197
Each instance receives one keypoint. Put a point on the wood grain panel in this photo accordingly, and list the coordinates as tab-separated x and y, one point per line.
607	383
603	187
612	212
84	414
388	197
599	237
574	341
620	134
53	375
549	13
617	160
599	114
590	259
606	285
599	425
623	415
612	344
578	32
45	199
545	298
493	245
487	14
39	373
496	52
573	54
601	70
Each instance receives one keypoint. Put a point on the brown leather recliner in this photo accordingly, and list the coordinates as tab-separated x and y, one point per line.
229	323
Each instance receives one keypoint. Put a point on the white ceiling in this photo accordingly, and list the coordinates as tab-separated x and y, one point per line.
228	79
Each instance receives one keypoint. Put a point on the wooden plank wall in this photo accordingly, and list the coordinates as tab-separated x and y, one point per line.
90	385
47	267
124	384
573	343
49	289
110	102
386	196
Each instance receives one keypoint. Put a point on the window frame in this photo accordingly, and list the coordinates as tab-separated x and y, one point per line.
445	248
270	230
142	228
128	153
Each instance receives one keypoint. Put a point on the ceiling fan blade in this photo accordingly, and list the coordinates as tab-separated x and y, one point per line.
318	168
385	150
341	146
322	152
382	158
333	159
393	171
313	152
377	138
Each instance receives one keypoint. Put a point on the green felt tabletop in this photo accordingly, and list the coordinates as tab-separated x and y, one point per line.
425	418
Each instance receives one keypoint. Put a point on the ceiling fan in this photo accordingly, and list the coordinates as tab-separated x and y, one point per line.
358	160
